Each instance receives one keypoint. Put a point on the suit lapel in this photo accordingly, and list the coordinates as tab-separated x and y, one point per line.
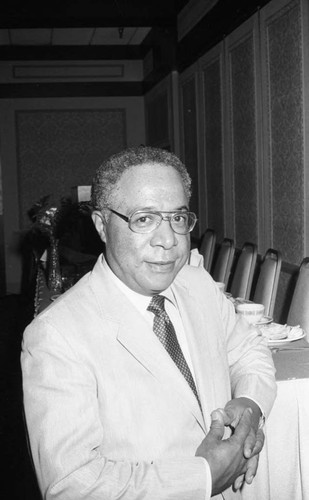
134	334
142	343
199	346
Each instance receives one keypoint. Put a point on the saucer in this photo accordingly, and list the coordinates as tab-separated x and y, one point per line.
264	321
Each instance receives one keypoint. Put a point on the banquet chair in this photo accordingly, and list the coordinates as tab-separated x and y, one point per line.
299	309
207	247
223	263
266	287
244	270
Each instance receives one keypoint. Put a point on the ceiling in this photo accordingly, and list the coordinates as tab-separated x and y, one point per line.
72	13
176	31
88	36
84	23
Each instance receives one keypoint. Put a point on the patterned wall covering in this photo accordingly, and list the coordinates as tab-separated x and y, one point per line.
59	149
284	41
243	127
213	146
190	138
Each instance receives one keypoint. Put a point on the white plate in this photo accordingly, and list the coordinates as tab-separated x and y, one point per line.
284	333
264	321
287	339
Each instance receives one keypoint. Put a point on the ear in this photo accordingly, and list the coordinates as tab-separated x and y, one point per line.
99	223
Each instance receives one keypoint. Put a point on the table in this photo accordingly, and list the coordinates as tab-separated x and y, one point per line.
284	462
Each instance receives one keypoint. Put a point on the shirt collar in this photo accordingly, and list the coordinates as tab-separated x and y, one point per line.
141	302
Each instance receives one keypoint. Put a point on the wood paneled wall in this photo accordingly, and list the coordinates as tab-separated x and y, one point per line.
244	117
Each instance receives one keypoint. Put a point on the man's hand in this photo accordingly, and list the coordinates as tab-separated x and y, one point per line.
255	440
226	458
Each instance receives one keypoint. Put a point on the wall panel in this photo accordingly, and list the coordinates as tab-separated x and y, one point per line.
212	98
242	115
281	34
252	135
159	115
58	149
190	143
50	145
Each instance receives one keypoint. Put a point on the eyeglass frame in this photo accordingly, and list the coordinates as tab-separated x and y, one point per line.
128	219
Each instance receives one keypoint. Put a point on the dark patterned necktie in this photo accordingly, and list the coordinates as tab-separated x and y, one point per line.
165	331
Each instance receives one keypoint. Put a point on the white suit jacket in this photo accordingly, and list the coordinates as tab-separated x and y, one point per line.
108	413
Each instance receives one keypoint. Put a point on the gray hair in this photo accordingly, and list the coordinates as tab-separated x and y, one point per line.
111	170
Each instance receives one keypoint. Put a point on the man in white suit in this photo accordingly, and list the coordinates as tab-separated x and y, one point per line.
109	414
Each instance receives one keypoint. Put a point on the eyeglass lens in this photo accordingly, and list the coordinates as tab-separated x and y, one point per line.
145	222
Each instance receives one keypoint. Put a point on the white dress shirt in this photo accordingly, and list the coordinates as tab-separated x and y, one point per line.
141	302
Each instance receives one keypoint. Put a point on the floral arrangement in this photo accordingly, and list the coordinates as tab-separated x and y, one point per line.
54	223
64	233
53	219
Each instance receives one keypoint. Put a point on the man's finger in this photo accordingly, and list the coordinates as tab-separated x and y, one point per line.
250	444
217	425
243	428
257	447
232	417
239	482
225	416
252	469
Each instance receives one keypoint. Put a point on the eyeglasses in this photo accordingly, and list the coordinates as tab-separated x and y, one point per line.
146	222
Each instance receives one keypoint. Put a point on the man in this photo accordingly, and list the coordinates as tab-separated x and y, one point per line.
110	412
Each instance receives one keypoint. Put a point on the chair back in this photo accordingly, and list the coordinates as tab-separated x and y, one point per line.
268	279
244	271
207	248
299	308
223	263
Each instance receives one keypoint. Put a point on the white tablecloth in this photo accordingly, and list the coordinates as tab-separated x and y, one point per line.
283	472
